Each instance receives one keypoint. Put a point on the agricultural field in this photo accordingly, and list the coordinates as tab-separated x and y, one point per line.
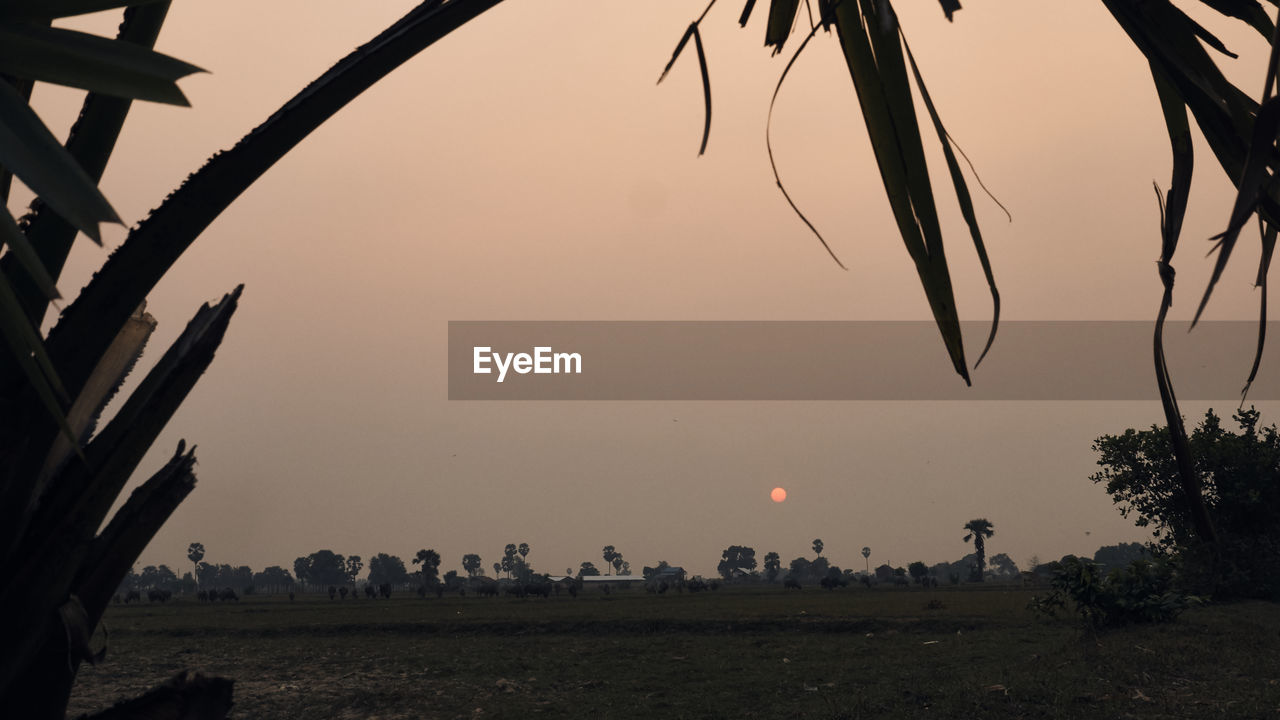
733	653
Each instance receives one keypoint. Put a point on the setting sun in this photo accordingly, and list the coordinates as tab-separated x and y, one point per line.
778	494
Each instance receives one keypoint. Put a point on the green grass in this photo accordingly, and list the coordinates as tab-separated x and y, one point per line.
735	653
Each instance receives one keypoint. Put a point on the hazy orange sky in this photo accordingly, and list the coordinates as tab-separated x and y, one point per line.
528	168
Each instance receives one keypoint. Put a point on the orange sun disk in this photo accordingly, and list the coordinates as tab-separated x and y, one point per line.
778	495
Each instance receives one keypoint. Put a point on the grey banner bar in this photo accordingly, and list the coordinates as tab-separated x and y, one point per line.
602	360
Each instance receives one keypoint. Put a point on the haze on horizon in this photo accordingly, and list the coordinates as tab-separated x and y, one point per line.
527	168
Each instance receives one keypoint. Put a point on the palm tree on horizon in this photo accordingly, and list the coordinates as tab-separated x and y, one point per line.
979	530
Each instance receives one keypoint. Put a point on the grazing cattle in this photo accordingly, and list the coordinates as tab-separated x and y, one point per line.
696	586
333	592
203	596
385	590
829	583
228	594
791	584
369	592
131	596
161	596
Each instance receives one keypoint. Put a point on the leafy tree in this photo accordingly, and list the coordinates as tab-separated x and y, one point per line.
384	568
1109	557
354	565
817	547
497	569
772	564
430	562
608	554
453	583
979	530
322	568
799	569
195	553
866	556
471	563
301	570
157	578
736	557
588	569
524	551
624	568
1240	474
617	562
509	559
273	579
1003	566
918	570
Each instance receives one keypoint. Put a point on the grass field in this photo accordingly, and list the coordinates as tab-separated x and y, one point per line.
734	653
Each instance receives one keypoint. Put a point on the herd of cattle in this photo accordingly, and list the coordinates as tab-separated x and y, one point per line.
164	596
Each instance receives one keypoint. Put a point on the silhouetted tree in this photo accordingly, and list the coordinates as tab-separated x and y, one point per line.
866	556
430	562
919	571
1003	566
509	559
608	554
817	546
1109	557
157	577
273	579
524	551
387	569
323	568
471	564
979	530
301	570
799	569
354	565
736	557
195	553
1240	475
772	565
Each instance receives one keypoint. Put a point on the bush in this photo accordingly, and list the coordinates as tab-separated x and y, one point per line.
1240	473
1145	591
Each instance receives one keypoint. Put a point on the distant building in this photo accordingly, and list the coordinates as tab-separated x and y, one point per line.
669	573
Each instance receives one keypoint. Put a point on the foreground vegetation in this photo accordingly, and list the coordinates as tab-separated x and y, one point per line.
736	653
